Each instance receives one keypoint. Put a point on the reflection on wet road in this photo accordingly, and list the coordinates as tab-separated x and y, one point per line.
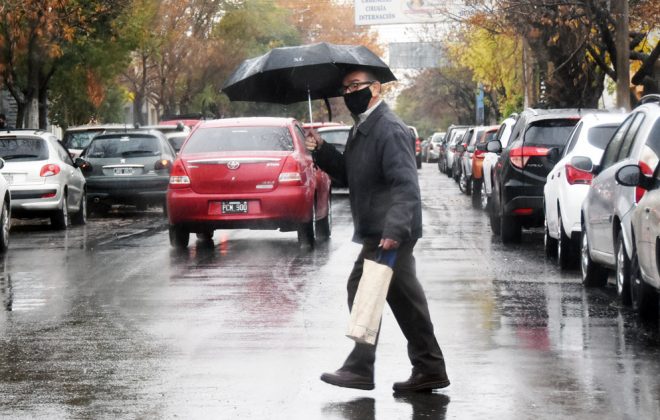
107	321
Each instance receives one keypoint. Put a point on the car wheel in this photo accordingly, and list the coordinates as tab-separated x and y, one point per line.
324	226
593	274
485	201
643	297
565	252
549	243
510	229
307	230
476	193
463	183
80	217
494	220
60	218
5	226
622	271
456	172
179	237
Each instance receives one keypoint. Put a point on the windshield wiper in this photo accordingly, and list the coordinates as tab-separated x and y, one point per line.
12	157
138	152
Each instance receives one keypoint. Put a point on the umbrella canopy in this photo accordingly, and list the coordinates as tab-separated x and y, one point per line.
295	74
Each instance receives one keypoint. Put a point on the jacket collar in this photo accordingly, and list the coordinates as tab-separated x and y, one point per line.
375	115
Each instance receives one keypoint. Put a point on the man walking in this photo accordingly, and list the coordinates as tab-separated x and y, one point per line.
379	168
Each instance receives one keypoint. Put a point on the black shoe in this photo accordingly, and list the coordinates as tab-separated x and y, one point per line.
422	382
347	379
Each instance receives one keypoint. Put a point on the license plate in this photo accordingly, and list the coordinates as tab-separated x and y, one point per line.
233	207
123	171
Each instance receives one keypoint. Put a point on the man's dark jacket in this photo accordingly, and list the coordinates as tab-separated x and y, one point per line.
379	168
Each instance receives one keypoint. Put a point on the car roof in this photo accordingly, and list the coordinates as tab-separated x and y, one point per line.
25	132
87	127
598	118
335	128
247	122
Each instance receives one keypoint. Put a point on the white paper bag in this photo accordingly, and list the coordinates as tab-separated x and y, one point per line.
369	301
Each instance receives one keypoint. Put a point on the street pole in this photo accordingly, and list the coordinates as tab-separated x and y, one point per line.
620	13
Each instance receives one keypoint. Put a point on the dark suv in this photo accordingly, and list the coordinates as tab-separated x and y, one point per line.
536	141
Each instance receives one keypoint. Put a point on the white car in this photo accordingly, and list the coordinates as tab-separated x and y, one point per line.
5	211
76	139
566	186
490	158
43	179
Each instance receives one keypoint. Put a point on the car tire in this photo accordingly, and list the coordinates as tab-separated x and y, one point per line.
494	221
5	226
179	237
324	226
456	172
419	162
80	217
463	183
549	243
60	218
593	274
510	230
476	194
643	297
485	199
307	230
565	251
622	271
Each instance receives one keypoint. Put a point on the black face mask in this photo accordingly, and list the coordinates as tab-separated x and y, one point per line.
358	101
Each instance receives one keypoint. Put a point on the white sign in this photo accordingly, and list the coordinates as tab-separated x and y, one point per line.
380	12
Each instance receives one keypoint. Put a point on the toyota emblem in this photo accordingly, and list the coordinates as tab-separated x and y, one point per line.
233	164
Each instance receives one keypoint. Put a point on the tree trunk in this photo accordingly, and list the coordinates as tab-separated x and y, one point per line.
43	108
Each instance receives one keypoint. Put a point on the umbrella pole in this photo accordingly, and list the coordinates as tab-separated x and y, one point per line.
309	104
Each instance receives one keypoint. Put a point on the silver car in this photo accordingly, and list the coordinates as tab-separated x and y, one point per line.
43	179
607	240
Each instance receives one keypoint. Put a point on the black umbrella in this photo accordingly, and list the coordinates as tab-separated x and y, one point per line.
294	74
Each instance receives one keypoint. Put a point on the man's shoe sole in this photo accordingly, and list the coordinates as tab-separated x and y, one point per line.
367	386
425	386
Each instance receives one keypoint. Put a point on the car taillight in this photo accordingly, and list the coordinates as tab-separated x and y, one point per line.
479	154
49	170
162	164
520	155
292	173
178	176
577	176
418	145
639	191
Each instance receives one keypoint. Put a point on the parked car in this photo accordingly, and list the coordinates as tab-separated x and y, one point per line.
418	146
490	158
425	150
127	168
435	146
478	151
519	176
77	138
465	161
645	219
5	211
566	186
337	136
175	134
252	173
607	235
43	179
453	136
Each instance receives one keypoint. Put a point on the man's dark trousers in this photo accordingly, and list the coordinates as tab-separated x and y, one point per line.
408	304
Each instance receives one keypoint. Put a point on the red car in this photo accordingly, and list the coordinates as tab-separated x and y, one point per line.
252	173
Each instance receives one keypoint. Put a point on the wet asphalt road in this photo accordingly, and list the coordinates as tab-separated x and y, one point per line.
107	321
